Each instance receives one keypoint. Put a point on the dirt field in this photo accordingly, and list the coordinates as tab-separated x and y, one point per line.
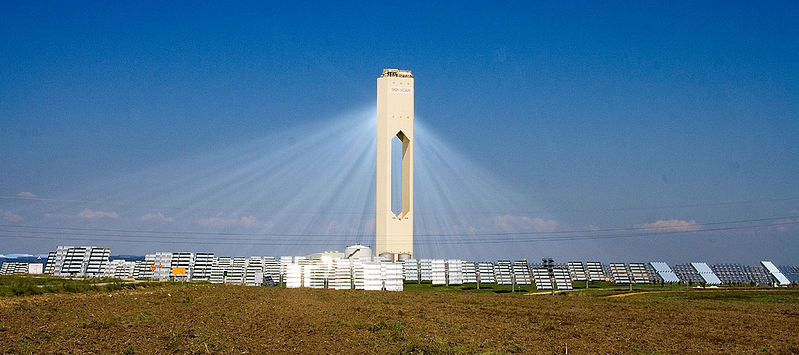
236	319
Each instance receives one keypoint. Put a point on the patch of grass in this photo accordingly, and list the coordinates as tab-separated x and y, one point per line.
394	326
172	341
790	297
26	285
433	345
484	288
199	341
18	286
23	307
144	317
229	315
512	348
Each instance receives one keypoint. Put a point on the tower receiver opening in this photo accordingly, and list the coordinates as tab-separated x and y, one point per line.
399	150
396	176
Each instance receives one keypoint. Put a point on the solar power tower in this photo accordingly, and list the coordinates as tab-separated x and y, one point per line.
394	232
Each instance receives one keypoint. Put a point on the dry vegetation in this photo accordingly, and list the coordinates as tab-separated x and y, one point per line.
235	319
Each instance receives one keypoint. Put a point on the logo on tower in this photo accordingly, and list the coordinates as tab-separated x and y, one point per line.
401	90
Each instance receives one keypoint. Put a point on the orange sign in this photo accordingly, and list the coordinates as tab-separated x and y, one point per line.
178	271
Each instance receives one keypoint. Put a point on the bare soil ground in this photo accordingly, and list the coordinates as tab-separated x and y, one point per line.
236	319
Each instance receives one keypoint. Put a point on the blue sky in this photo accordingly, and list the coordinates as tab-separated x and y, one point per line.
590	116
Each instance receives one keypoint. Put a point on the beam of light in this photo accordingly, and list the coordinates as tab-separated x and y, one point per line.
313	186
314	180
457	197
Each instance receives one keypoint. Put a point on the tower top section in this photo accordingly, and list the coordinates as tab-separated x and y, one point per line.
396	73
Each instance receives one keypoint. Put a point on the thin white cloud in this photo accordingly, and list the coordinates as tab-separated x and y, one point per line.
93	214
592	227
157	217
26	194
11	216
783	225
509	223
672	225
219	221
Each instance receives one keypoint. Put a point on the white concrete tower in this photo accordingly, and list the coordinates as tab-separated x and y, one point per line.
394	232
